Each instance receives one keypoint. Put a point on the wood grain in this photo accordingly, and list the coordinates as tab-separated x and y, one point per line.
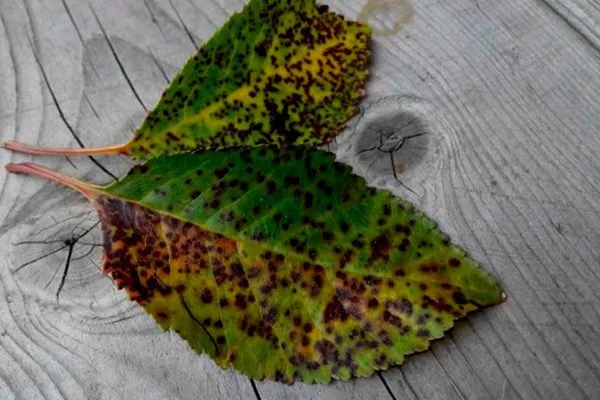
483	113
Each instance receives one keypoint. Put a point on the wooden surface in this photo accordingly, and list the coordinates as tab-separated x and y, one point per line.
507	93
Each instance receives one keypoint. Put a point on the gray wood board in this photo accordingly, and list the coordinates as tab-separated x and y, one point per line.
507	92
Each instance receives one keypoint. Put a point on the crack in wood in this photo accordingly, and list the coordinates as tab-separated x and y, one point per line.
117	59
61	114
594	42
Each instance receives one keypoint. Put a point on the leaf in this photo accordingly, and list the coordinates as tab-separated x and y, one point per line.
279	72
282	263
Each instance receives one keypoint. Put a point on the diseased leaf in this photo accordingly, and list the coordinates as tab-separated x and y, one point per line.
279	72
282	263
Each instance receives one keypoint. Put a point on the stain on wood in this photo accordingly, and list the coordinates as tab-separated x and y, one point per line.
387	17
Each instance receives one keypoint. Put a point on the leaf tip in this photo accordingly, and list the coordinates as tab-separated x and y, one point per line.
502	297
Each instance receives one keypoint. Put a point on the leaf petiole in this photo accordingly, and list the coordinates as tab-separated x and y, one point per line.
37	170
28	149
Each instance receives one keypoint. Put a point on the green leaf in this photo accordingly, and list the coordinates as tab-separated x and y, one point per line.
279	72
282	263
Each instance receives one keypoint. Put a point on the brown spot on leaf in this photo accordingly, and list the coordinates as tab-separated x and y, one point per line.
380	248
455	263
335	311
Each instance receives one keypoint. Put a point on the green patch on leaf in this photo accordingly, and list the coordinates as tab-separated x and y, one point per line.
282	263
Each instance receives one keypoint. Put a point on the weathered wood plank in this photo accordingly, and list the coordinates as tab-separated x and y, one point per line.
507	94
581	15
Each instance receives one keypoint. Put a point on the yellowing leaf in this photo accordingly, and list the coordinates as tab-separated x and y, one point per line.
279	72
282	263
